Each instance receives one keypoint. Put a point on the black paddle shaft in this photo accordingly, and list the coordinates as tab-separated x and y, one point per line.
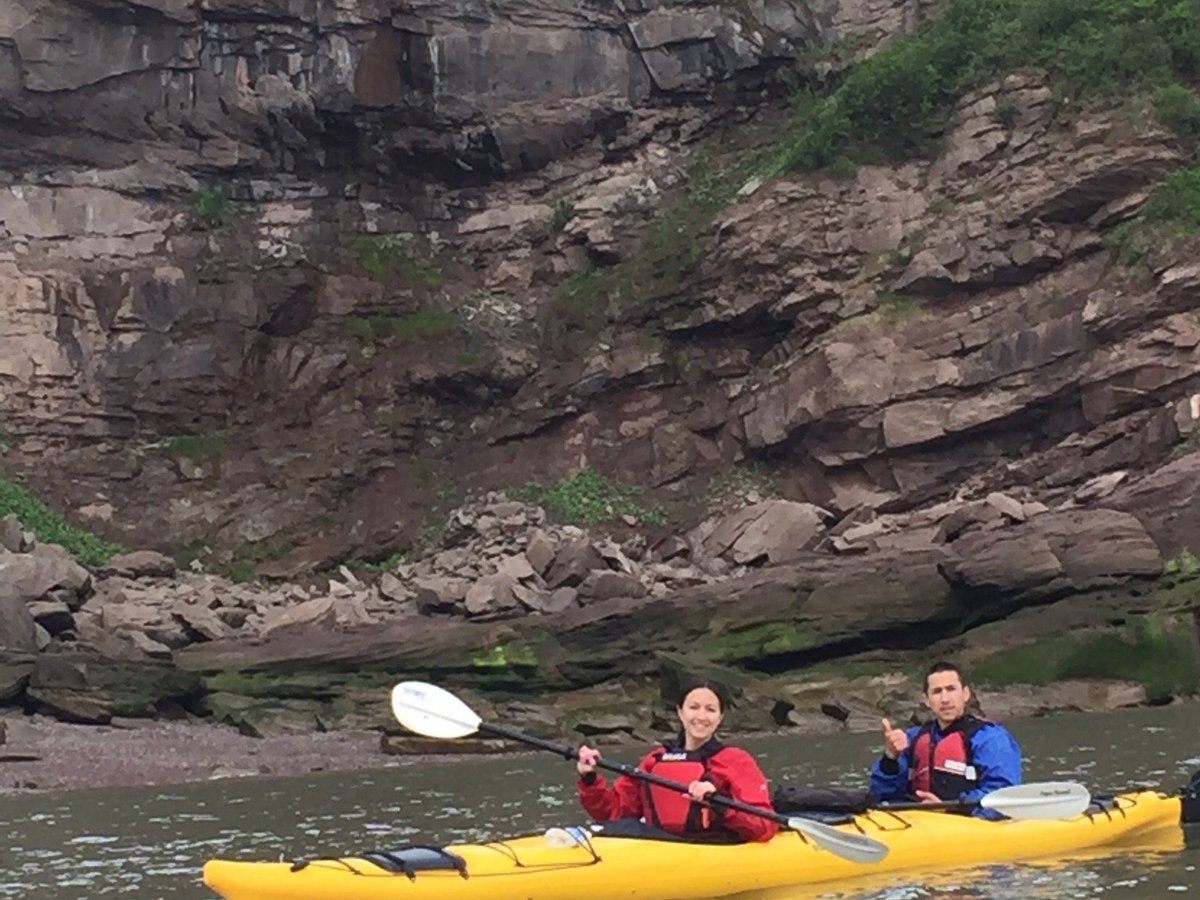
951	805
632	771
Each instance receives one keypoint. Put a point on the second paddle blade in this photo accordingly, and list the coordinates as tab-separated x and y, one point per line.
1039	800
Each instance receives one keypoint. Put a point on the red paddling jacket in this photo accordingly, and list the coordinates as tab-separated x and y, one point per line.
731	769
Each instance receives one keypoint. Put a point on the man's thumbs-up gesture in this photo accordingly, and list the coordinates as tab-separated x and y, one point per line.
895	741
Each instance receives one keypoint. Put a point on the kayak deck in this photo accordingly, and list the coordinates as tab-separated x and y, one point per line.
610	868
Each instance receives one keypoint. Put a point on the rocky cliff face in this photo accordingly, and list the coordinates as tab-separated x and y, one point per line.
195	197
282	277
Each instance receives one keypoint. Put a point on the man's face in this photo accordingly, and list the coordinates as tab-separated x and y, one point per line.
946	696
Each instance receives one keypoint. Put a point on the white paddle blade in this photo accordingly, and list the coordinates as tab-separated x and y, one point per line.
429	710
1040	800
846	844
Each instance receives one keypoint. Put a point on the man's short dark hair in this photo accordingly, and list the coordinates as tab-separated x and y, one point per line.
943	666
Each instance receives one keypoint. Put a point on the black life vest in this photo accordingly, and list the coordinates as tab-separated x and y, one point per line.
945	768
672	810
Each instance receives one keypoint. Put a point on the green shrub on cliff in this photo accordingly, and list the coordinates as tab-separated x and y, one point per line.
423	323
738	485
1178	108
891	106
1176	202
401	256
575	320
561	214
589	498
205	447
51	528
892	103
377	566
212	210
1170	213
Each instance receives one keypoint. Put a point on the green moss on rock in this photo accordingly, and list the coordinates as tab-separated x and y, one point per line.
757	641
1152	650
506	656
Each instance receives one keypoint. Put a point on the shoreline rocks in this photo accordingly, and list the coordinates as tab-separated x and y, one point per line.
508	602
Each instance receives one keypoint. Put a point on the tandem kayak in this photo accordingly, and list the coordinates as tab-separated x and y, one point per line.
581	864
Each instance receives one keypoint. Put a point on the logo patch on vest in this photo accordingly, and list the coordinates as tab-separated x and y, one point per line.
954	767
674	757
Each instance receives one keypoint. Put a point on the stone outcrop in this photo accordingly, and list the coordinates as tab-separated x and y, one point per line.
145	639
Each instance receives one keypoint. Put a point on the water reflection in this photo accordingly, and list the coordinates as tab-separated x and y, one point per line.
151	844
1134	872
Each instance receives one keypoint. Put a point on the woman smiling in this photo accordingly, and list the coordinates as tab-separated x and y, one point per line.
695	758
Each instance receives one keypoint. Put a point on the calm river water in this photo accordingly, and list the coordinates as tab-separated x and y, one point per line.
151	843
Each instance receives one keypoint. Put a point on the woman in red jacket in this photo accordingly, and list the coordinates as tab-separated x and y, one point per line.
696	758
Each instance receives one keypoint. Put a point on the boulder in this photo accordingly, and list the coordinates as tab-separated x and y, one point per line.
604	585
1057	552
32	575
572	563
141	564
771	531
16	623
84	686
316	613
415	745
53	615
492	597
200	622
13	537
539	552
15	669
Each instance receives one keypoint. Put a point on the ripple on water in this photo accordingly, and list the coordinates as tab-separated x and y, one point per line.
995	883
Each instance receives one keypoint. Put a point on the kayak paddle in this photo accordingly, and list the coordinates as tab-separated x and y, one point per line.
1035	800
434	712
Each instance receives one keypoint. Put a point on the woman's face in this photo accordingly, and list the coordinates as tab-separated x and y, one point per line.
700	715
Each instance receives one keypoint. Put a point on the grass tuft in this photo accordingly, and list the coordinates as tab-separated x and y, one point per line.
50	528
589	498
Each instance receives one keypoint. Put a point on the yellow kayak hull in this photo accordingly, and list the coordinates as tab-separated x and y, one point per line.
611	868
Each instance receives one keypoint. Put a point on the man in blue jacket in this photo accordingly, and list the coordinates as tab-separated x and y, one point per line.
957	756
